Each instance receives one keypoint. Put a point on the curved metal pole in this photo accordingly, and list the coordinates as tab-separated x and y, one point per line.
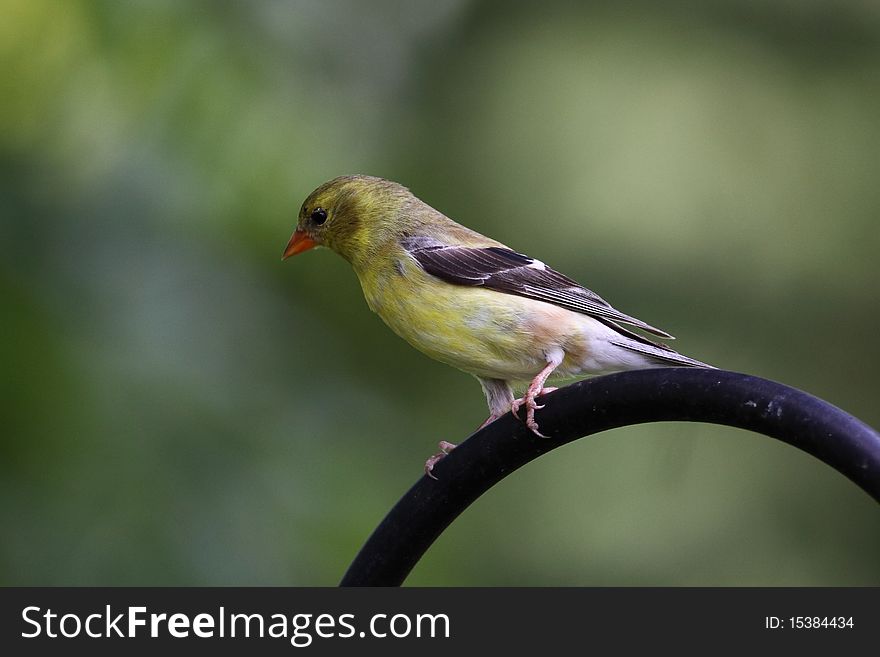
588	407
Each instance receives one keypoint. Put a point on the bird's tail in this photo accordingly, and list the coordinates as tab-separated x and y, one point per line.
663	356
659	353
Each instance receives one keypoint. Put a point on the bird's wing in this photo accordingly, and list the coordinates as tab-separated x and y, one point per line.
498	268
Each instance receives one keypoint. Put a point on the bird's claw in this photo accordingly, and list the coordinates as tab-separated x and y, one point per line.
533	427
528	400
444	447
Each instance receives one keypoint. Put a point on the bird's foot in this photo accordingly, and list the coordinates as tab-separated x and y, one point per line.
489	420
528	400
445	448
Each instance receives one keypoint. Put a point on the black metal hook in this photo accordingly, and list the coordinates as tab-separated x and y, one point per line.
588	407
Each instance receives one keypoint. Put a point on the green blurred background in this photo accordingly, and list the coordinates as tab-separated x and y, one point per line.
179	407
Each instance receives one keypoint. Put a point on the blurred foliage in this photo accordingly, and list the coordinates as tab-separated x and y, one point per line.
178	407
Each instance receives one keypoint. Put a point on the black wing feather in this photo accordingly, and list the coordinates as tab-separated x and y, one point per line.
507	271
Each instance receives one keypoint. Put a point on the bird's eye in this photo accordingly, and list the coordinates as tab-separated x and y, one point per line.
319	215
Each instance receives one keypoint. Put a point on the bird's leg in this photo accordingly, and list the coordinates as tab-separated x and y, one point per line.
489	420
444	448
536	388
498	396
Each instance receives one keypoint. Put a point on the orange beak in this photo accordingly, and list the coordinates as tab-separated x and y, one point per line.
298	243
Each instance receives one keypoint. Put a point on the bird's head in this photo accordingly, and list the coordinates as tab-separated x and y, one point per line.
352	215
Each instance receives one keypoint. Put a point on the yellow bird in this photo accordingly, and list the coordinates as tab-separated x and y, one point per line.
469	301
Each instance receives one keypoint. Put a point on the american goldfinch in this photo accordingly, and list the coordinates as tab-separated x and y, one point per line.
469	301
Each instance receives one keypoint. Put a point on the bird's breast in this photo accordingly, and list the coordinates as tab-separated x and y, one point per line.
480	331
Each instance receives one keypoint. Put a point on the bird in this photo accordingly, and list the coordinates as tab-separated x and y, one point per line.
470	301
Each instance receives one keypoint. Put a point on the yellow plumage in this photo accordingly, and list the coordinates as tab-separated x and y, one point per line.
467	300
